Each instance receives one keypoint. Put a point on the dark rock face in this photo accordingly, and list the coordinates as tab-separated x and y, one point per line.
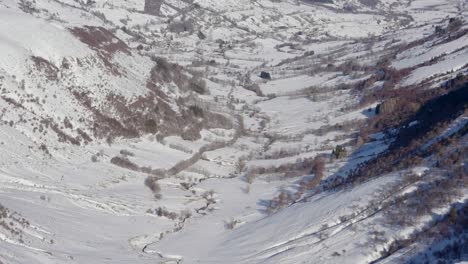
153	7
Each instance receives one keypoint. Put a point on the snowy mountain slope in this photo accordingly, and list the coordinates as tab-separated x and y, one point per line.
24	36
304	167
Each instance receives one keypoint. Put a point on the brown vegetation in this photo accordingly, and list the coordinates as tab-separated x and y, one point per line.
104	42
43	65
433	116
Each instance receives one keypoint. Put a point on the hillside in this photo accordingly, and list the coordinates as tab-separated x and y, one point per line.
252	131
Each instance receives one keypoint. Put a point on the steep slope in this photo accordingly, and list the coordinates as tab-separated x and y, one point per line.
350	147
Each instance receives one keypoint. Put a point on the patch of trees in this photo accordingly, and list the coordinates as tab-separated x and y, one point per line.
49	69
370	3
167	72
391	76
432	118
151	126
100	39
436	111
339	152
447	233
105	126
285	198
254	87
153	7
299	168
319	1
124	162
448	236
152	183
104	42
28	6
454	24
398	105
152	109
182	26
10	222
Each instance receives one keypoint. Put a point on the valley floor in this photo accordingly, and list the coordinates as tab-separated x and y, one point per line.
246	193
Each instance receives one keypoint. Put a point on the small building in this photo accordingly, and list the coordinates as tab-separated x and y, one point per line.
265	75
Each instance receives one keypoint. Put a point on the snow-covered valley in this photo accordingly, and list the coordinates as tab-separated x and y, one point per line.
251	131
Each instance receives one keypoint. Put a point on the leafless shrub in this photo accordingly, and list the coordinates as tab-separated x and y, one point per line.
378	237
43	65
126	153
318	167
370	3
280	201
95	157
100	39
200	170
198	85
239	165
186	185
433	117
180	148
152	7
151	126
300	167
105	126
254	87
447	227
231	224
124	162
44	148
250	177
28	6
84	135
209	197
184	215
282	153
197	111
339	152
181	26
163	212
104	42
152	183
455	23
